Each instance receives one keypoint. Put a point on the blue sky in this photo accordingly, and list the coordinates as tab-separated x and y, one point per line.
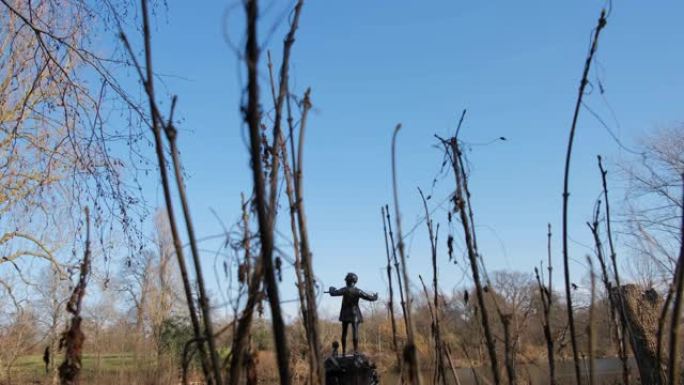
514	65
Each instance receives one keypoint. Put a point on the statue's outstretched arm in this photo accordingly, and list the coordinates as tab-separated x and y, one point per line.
335	292
368	297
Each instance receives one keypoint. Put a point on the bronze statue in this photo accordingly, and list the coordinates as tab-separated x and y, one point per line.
350	313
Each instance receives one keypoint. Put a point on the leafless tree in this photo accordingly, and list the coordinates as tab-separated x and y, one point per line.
18	337
653	201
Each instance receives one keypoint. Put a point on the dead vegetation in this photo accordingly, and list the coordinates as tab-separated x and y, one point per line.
498	329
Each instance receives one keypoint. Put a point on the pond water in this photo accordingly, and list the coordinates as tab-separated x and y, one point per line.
608	372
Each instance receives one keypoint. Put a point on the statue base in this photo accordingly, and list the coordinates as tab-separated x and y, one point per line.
354	369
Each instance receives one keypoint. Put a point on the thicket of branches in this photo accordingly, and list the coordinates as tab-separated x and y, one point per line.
71	137
61	153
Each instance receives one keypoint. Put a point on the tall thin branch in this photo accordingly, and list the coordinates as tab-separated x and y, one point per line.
590	325
432	325
454	374
436	327
396	268
547	311
309	279
410	353
244	324
288	175
283	89
612	299
461	200
303	268
566	183
622	327
390	304
549	262
203	297
544	296
161	160
171	137
252	117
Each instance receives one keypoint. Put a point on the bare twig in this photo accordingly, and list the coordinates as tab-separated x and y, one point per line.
282	93
549	263
447	351
544	296
309	279
288	175
436	327
390	304
615	307
432	325
396	268
203	297
566	181
244	325
461	200
242	331
305	277
618	306
157	124
590	324
252	117
410	353
547	313
171	135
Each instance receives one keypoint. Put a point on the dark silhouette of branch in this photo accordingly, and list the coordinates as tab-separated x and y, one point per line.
244	324
545	298
396	268
509	352
73	338
252	117
612	299
203	297
410	353
590	324
549	262
211	372
309	279
390	304
662	319
461	200
436	327
454	374
566	182
288	175
437	353
617	306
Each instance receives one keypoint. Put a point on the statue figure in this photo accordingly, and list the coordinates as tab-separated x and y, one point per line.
350	313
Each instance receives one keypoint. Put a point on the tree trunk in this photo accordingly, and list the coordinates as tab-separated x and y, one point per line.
642	309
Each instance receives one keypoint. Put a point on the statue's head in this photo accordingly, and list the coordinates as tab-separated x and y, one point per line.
351	279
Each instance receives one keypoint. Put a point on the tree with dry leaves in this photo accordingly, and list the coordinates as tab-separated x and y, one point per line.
60	148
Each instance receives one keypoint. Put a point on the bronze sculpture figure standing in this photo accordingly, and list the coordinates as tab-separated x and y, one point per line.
350	313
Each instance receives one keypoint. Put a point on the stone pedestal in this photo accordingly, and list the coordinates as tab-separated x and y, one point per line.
356	369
